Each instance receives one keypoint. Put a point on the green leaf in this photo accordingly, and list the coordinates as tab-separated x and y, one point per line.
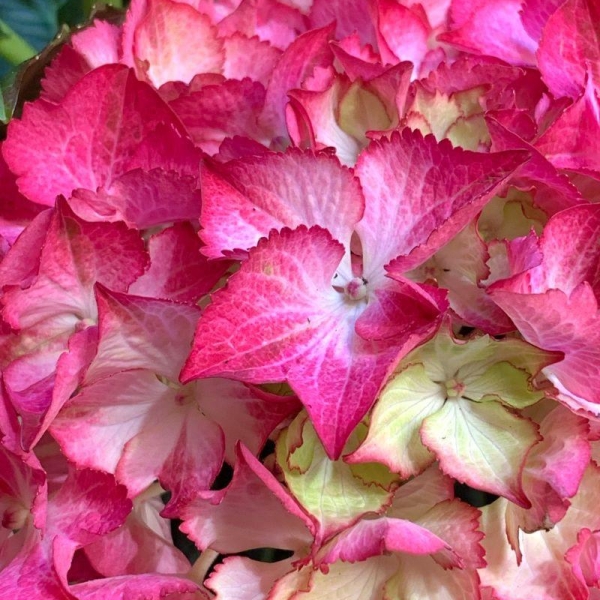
13	48
34	20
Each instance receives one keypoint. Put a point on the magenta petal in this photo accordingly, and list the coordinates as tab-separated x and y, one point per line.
402	308
491	27
177	269
375	537
570	45
419	194
221	110
141	199
308	52
554	191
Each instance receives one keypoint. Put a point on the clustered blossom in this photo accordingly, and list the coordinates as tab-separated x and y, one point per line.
343	251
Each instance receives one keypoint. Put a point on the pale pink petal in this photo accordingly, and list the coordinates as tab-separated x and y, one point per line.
403	33
414	498
585	558
543	572
240	578
421	577
88	505
535	14
249	57
246	514
99	43
244	413
141	333
143	544
380	536
174	42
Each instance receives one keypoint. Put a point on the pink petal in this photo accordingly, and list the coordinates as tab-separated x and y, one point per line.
88	505
134	333
271	21
141	199
491	27
403	33
553	472
88	138
569	46
217	111
249	57
571	142
244	200
147	586
436	191
177	269
244	413
373	538
62	74
241	578
308	52
553	190
280	319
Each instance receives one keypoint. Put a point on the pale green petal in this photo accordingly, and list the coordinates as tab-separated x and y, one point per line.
343	581
503	382
393	437
481	444
334	492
